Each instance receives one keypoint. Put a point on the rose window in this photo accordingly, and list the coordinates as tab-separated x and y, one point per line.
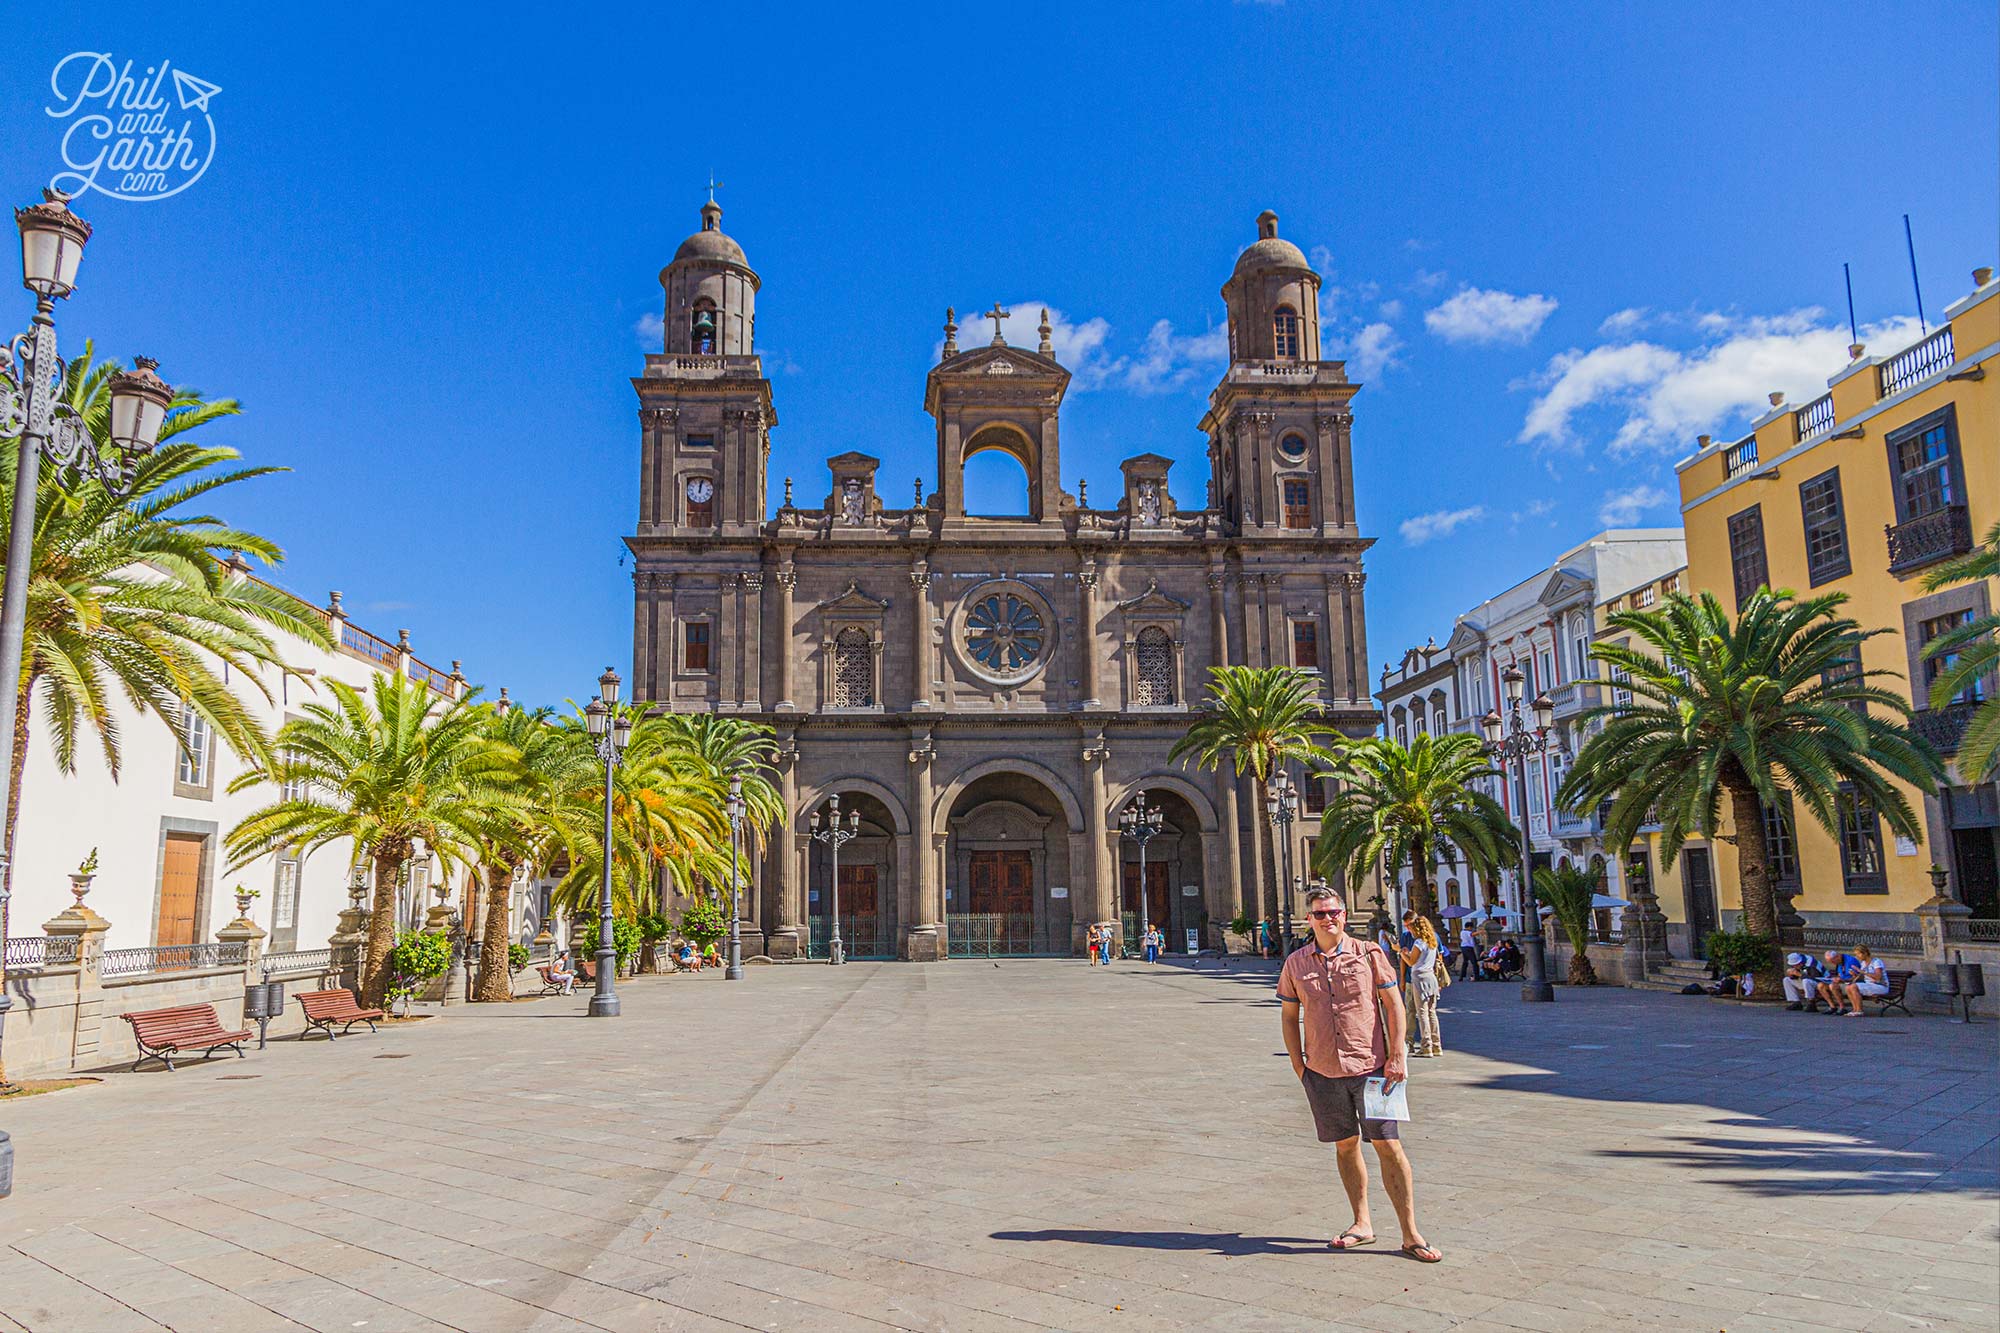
1004	634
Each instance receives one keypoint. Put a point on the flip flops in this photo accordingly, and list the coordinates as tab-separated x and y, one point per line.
1423	1254
1352	1239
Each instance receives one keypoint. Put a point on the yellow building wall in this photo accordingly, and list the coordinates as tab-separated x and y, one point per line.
1875	596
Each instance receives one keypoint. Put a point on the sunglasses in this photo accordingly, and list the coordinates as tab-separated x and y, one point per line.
1327	912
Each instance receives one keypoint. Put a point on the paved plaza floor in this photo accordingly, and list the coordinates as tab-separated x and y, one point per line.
1032	1145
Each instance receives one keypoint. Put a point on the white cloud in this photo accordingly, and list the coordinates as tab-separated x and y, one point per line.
1391	310
1078	345
651	331
1654	397
1475	316
1168	360
1625	322
1371	351
1426	279
1621	509
1439	523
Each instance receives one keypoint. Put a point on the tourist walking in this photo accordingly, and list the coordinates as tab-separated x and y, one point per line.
1422	959
1153	941
1468	952
1343	1024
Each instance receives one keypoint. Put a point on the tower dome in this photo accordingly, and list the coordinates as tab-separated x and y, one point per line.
1270	250
1273	300
711	293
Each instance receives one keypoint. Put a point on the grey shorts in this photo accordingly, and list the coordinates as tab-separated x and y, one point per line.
1336	1108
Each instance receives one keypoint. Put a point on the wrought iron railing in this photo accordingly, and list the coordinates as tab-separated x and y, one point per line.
169	958
1004	935
360	641
1943	728
1881	941
1916	363
300	963
1932	537
1972	930
1816	417
861	937
1740	457
34	951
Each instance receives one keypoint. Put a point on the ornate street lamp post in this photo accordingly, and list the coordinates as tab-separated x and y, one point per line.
834	835
1283	798
734	971
1510	743
1141	823
31	382
610	729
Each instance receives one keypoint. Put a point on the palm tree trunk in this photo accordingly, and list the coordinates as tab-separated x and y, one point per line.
496	985
1753	877
389	858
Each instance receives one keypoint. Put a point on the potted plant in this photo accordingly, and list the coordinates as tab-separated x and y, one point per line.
1238	940
517	957
1738	953
653	928
418	958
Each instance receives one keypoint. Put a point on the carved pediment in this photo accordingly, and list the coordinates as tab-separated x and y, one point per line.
996	361
854	603
1153	604
1465	637
1564	585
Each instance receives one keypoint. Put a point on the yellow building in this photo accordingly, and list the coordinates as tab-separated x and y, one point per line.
1863	490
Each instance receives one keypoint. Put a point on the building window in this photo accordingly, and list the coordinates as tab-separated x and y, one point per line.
1293	447
1943	662
704	328
1781	849
1846	674
1746	553
1298	504
285	897
1670	584
1313	791
700	502
1438	727
1924	458
1580	653
1285	328
1546	662
853	669
701	441
1153	683
1305	645
1638	872
1860	844
694	645
191	764
1621	692
1825	528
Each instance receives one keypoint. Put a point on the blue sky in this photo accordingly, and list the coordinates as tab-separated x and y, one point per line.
1555	250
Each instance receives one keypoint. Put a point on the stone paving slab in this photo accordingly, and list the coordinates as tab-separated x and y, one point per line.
1037	1145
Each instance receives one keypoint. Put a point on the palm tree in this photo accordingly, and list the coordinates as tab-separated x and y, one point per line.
725	749
387	771
1745	712
1569	891
536	814
144	598
1411	805
1970	654
1257	719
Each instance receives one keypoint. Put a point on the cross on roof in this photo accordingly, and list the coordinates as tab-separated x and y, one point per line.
713	186
996	314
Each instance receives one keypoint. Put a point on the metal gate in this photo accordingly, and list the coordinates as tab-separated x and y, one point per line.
1003	935
862	937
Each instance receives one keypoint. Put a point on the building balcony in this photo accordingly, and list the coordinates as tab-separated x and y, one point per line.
1588	825
1943	728
1926	540
1573	696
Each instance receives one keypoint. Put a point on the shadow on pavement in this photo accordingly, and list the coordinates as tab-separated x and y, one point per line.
1233	1243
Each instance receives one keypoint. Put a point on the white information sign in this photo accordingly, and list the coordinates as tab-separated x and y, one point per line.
1193	940
1058	890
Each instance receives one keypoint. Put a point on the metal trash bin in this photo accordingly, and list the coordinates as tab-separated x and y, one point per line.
6	1165
256	1002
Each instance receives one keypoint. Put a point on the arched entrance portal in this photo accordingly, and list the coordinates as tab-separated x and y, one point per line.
1173	877
1007	870
867	884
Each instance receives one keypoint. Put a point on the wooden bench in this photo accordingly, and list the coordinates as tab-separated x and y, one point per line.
1899	982
324	1008
164	1033
586	971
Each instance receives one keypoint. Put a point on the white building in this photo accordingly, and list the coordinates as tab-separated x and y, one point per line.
162	875
1544	625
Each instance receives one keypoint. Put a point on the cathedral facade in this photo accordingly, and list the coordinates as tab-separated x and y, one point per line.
988	693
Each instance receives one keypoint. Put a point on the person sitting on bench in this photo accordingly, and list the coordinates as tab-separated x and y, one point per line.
1868	980
687	957
1501	959
1803	978
560	973
1840	969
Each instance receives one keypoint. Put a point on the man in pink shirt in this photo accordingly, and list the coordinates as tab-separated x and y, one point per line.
1343	992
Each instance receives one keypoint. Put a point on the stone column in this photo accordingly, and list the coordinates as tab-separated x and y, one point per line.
920	636
785	938
1086	636
920	939
787	578
1099	903
1932	915
350	934
665	639
751	693
81	932
1225	783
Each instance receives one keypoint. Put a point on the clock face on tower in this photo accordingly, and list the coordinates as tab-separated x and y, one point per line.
700	489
